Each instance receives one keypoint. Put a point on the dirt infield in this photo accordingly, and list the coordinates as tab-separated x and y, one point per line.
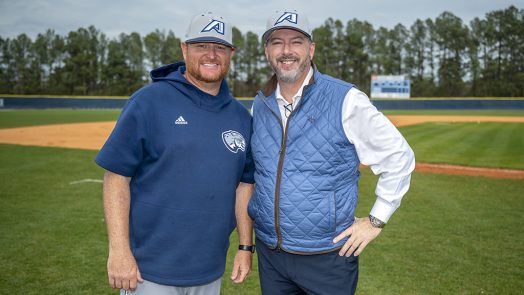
91	136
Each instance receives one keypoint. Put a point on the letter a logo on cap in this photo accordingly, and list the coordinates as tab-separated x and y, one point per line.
289	16
216	25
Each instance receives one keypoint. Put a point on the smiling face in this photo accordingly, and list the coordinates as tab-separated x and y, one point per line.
206	62
290	53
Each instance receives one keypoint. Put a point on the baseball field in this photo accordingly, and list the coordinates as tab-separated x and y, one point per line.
458	230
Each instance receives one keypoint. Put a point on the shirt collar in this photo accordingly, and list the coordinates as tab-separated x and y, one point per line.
298	95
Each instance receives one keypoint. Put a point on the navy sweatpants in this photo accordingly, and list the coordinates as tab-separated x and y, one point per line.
285	273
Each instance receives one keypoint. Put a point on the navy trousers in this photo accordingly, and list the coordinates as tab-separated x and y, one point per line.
320	274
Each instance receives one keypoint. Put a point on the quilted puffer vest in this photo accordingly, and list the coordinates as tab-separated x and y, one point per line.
306	175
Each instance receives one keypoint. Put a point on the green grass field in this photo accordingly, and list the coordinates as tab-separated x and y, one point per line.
484	144
22	118
514	113
452	234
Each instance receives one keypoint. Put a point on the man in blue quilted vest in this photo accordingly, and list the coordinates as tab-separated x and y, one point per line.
311	133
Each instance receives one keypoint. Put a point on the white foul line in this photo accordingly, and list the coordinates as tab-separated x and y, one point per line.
86	180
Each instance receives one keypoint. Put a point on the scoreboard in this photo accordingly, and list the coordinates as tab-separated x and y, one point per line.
390	86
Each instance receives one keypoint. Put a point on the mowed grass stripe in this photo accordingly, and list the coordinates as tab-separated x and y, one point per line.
500	143
476	143
513	112
514	148
490	144
21	118
431	138
422	132
485	144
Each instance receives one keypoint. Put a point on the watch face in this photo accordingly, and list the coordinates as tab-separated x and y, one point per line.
375	222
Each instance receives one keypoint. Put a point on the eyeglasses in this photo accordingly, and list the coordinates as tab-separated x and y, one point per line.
205	47
288	109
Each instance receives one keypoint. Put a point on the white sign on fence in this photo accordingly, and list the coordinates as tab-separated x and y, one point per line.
390	86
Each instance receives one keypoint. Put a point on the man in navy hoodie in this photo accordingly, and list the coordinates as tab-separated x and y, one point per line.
179	174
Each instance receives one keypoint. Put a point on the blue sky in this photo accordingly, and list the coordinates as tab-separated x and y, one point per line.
115	16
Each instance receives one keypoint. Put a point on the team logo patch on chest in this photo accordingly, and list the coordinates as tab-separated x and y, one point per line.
234	141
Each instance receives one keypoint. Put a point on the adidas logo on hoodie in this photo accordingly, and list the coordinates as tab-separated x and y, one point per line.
180	121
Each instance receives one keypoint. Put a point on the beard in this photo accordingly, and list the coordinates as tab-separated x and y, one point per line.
193	68
293	75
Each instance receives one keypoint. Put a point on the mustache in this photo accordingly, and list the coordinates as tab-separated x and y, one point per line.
285	57
212	61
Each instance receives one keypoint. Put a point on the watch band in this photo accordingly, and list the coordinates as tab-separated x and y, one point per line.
375	222
247	248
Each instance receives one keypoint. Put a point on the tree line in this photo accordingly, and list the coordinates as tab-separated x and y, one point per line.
441	57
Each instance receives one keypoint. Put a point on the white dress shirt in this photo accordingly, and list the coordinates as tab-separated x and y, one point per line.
283	104
378	143
380	146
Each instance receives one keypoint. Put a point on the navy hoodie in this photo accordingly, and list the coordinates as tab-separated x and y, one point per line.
185	151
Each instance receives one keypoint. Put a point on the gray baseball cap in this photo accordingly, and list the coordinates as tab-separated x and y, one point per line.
288	19
209	27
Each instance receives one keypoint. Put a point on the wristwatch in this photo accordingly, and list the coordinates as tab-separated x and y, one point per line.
247	248
375	222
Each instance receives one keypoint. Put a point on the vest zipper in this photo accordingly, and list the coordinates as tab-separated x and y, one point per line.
282	153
